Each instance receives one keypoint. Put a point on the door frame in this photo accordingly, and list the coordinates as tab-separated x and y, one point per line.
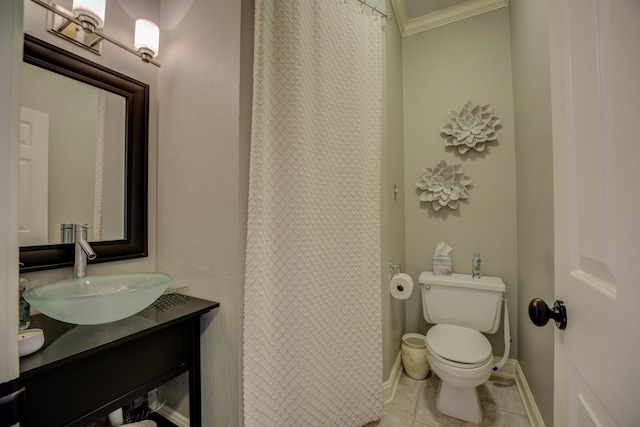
11	15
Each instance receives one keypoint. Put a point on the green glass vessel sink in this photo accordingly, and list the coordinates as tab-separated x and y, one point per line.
93	300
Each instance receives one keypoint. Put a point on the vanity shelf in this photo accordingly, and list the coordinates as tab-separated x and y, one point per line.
84	372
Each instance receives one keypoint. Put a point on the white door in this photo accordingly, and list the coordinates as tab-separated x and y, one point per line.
595	75
33	205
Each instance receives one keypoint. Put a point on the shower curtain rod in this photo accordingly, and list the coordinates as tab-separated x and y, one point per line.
375	9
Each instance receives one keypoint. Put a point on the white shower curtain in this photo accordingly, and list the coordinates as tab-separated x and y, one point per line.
312	316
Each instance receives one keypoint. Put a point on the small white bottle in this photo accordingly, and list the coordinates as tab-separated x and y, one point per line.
475	265
116	418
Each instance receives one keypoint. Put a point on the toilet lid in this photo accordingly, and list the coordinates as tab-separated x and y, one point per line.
458	344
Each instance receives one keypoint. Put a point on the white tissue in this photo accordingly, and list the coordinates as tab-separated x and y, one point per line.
442	260
442	250
401	286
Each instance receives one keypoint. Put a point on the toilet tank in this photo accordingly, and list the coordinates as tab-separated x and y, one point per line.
461	300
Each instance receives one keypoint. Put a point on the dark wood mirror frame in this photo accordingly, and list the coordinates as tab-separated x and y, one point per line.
134	244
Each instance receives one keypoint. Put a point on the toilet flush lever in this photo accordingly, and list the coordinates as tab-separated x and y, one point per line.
540	313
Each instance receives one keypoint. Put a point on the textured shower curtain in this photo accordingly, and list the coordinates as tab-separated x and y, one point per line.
312	312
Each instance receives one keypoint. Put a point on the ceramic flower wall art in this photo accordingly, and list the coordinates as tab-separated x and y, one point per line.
470	128
443	185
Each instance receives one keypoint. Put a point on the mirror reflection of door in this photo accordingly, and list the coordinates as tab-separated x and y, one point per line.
33	172
85	158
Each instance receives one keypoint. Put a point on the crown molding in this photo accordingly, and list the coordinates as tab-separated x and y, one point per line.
442	17
400	10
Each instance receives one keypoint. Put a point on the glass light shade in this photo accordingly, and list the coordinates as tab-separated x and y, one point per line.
93	10
147	38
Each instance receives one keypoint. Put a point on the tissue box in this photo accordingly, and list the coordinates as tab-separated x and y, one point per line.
442	266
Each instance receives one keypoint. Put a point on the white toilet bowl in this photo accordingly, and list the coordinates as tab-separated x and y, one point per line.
463	360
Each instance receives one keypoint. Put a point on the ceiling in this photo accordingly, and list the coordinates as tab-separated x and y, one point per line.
414	16
417	8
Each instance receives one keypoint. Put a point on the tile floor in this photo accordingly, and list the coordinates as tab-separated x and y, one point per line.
414	405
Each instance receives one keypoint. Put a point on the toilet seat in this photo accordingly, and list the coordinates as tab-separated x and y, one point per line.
458	346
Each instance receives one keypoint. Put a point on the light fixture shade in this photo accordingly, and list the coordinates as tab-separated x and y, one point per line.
91	10
147	38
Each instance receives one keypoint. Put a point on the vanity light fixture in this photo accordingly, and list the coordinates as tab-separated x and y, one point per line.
83	27
147	39
90	13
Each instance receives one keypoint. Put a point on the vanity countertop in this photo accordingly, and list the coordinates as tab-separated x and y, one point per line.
83	372
65	342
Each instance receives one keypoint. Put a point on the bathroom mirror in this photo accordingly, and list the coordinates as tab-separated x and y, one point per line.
71	158
95	163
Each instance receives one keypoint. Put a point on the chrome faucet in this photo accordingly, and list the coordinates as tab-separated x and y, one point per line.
83	250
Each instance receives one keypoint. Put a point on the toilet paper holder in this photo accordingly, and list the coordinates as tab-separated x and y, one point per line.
393	266
398	267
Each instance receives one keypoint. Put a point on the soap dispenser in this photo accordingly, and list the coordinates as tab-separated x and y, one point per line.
25	307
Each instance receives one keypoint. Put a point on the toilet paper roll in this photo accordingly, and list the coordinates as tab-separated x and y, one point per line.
401	286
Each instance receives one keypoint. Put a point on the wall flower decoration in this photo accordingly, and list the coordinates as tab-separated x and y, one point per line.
470	128
443	185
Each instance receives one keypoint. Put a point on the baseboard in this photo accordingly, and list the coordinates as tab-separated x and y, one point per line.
508	370
512	369
535	419
174	416
389	386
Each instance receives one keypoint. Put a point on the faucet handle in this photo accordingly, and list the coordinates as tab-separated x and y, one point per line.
80	231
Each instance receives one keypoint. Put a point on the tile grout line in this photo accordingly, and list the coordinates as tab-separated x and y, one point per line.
415	406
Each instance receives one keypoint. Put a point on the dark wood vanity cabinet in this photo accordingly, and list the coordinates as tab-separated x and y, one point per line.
84	372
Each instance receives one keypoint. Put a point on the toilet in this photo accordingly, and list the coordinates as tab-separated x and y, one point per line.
462	308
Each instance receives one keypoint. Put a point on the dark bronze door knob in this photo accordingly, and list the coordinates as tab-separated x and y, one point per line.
540	313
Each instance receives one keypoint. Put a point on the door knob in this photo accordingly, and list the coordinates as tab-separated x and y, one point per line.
540	313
